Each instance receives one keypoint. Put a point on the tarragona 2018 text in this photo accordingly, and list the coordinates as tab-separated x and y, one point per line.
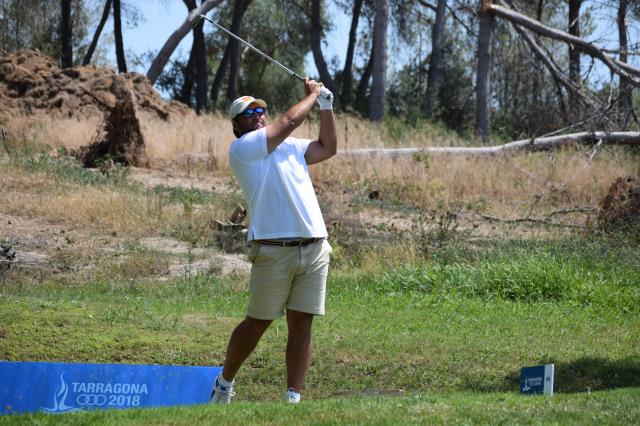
113	388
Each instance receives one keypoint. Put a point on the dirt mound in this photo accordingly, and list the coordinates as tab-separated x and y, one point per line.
119	110
120	137
31	82
619	210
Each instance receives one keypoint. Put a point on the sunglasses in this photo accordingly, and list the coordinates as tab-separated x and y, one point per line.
250	112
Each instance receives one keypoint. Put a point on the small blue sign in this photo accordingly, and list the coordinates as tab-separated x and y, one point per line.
537	380
59	388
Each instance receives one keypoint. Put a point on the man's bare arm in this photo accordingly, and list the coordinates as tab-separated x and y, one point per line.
327	144
283	127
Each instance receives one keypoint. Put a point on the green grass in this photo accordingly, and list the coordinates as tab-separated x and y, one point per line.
619	407
34	158
448	330
381	332
530	277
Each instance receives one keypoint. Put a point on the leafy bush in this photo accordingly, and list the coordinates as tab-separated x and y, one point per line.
539	277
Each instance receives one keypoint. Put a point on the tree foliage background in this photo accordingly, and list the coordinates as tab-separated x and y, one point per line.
526	98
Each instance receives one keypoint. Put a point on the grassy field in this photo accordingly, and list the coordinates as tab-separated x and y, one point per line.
384	351
428	322
618	407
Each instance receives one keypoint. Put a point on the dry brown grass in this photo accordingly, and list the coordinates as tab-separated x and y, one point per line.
71	133
511	186
355	133
181	136
116	210
501	185
172	141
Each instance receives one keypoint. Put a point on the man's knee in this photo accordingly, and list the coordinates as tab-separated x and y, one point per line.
256	326
299	321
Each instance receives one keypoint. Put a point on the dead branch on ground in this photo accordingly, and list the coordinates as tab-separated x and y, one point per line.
533	144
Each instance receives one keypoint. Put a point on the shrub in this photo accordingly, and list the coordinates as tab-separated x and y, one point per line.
538	277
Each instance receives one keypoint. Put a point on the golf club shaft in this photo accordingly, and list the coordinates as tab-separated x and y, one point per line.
292	73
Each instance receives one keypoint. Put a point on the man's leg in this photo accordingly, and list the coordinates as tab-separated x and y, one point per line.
299	348
243	341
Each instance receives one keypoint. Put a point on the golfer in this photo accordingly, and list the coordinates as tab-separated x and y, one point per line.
287	234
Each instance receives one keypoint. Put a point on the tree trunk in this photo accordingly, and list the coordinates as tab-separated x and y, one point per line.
202	85
197	66
434	77
537	79
316	49
556	73
66	34
574	53
483	77
379	70
96	35
239	9
235	49
363	85
188	77
172	42
235	52
626	103
189	71
220	73
117	30
347	71
234	65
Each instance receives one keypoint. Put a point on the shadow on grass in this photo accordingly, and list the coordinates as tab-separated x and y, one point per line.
590	374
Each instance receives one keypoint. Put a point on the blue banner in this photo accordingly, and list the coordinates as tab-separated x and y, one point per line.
537	380
59	387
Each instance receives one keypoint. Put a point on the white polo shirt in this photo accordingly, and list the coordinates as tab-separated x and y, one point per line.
277	187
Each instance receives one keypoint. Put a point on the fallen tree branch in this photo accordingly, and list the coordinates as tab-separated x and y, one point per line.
553	69
535	221
617	67
534	144
569	211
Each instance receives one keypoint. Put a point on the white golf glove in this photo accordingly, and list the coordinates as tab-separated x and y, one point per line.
325	99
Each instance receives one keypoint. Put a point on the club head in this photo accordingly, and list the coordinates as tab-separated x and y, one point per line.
206	19
197	18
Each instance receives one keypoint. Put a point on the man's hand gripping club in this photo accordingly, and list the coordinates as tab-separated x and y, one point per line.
326	145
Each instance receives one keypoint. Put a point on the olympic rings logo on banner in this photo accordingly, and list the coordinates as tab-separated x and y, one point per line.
90	399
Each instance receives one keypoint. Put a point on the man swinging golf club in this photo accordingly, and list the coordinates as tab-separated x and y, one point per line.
287	235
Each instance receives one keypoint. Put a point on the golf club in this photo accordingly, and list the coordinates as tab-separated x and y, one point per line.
292	73
255	49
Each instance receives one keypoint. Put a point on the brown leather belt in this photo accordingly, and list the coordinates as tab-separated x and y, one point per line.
289	243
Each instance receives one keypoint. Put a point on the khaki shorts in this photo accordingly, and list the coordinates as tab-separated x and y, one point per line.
294	278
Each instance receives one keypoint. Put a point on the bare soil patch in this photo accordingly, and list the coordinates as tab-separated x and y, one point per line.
47	248
170	177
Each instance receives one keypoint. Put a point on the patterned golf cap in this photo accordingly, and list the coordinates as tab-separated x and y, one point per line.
242	103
